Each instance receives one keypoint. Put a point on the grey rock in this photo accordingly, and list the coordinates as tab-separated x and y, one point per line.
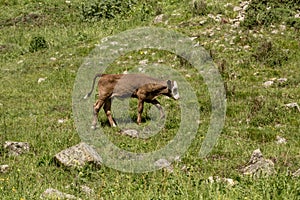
165	164
51	193
268	83
16	148
280	140
297	173
282	80
258	166
130	132
78	156
293	105
87	190
217	179
159	19
4	168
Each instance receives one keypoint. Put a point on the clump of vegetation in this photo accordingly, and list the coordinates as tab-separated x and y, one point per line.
199	7
38	43
105	9
267	12
269	54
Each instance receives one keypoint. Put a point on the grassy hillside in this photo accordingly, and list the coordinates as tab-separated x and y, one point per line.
51	39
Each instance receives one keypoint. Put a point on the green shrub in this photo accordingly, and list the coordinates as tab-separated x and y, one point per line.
37	43
267	12
270	54
105	9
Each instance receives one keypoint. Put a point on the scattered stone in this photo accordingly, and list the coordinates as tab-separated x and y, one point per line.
282	80
51	193
130	132
280	140
20	61
60	121
87	190
16	148
163	163
217	179
268	83
78	156
293	105
4	168
237	9
144	62
297	173
258	165
159	19
41	79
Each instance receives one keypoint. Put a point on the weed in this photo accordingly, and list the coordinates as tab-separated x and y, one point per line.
266	13
38	43
105	9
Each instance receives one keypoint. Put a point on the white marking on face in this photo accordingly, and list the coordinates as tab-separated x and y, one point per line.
175	92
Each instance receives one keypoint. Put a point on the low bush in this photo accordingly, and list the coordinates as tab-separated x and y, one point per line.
105	9
267	12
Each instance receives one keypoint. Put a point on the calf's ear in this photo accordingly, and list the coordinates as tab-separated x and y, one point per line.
169	83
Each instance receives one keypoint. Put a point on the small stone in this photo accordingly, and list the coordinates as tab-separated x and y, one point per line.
282	80
41	79
144	62
217	179
297	173
163	163
202	22
16	148
86	190
4	168
237	8
159	19
51	193
258	165
268	83
60	121
130	132
280	140
293	105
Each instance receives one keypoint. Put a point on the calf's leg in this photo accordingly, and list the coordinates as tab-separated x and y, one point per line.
99	103
158	106
107	110
140	111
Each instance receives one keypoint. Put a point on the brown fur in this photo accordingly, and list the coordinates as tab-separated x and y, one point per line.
139	86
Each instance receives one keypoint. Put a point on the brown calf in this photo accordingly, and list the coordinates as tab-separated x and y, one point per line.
139	86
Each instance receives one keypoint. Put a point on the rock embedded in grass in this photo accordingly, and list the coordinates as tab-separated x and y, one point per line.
130	132
78	156
51	193
297	173
217	179
280	140
293	105
258	165
165	164
16	148
4	169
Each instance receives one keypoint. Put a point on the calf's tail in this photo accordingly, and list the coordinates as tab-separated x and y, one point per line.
89	94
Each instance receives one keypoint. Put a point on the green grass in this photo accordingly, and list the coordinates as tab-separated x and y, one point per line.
255	115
